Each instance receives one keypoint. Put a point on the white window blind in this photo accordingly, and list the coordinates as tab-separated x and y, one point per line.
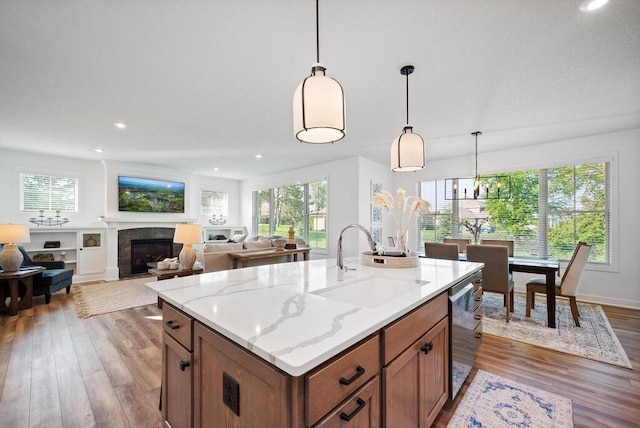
49	193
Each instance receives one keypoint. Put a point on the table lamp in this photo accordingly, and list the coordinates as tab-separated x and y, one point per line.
10	236
187	234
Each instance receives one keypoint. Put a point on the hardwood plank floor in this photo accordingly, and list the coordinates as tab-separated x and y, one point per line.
57	370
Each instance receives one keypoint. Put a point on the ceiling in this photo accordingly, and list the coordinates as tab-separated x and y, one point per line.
209	83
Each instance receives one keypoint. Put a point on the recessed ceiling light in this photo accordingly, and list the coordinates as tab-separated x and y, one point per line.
120	125
258	156
215	168
589	5
98	150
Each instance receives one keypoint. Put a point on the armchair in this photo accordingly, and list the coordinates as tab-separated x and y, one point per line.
55	278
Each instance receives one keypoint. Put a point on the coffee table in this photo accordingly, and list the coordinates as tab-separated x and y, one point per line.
13	280
246	255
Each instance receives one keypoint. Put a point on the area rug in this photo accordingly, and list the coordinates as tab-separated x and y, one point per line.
94	299
594	339
492	401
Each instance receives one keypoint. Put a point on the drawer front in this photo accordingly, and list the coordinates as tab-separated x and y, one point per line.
477	298
177	325
477	317
401	334
327	387
362	409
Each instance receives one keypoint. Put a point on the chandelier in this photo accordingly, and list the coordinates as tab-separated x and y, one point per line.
41	220
478	187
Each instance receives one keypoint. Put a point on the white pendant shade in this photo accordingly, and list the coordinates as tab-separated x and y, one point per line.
407	152
318	109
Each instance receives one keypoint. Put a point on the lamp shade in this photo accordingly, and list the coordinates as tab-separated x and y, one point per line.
319	109
187	234
14	234
407	152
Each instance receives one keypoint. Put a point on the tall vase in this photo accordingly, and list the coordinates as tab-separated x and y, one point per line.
403	241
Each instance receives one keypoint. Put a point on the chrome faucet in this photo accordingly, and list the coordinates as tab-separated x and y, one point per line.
342	268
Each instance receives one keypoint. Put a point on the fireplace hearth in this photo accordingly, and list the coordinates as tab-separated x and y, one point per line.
139	246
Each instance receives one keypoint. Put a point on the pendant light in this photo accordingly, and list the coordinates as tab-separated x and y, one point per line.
318	104
407	151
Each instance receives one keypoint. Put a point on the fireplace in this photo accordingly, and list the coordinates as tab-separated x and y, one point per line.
156	243
145	251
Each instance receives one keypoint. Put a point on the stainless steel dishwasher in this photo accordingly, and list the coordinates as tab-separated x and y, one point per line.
465	299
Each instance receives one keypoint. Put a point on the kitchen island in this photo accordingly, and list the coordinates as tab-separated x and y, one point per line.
289	345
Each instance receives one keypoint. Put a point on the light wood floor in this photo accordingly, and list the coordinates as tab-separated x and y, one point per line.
60	371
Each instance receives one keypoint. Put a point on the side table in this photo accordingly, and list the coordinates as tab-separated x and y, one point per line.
173	273
12	280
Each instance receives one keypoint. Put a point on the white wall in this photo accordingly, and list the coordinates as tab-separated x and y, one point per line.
348	189
617	284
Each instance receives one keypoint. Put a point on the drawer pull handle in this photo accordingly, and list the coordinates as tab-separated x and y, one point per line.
171	325
427	347
359	372
478	335
477	317
184	364
361	404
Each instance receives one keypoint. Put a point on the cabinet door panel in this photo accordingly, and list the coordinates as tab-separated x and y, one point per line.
177	398
261	389
435	372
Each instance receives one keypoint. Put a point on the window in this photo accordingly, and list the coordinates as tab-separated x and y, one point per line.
550	211
214	203
301	206
48	193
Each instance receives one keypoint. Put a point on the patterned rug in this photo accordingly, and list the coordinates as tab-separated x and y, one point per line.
594	339
94	299
495	402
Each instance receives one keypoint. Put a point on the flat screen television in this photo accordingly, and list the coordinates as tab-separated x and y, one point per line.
148	195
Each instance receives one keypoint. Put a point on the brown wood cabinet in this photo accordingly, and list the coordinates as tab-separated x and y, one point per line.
397	376
416	383
177	361
233	388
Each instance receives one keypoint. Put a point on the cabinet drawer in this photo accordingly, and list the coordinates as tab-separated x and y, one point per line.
328	386
477	298
401	334
362	409
477	317
177	325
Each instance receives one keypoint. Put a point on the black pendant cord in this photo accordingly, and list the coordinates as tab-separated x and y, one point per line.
407	122
317	33
476	134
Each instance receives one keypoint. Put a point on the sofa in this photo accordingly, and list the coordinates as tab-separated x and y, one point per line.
215	256
55	278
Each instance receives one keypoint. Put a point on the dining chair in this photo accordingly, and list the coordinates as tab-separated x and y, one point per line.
437	250
495	274
568	285
506	242
462	243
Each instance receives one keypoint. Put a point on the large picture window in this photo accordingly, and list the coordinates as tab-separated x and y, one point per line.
301	206
48	193
550	211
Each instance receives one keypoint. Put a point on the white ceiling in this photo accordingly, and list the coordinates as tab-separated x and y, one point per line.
206	83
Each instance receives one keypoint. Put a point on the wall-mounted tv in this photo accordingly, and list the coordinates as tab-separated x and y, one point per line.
149	195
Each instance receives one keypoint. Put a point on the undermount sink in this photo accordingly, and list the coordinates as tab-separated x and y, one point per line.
370	292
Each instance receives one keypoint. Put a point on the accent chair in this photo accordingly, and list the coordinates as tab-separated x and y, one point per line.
55	278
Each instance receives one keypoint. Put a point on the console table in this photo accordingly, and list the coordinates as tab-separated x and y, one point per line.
13	279
246	255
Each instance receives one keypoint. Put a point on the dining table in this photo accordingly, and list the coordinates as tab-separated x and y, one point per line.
547	267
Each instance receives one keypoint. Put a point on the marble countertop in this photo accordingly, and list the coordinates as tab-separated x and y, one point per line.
297	315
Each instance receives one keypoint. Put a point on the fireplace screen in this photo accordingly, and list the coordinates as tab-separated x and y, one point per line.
146	252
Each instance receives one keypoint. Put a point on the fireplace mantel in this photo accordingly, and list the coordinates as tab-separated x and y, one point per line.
129	223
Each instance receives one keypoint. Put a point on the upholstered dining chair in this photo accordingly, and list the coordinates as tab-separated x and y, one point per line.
507	243
436	250
462	243
568	285
495	274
